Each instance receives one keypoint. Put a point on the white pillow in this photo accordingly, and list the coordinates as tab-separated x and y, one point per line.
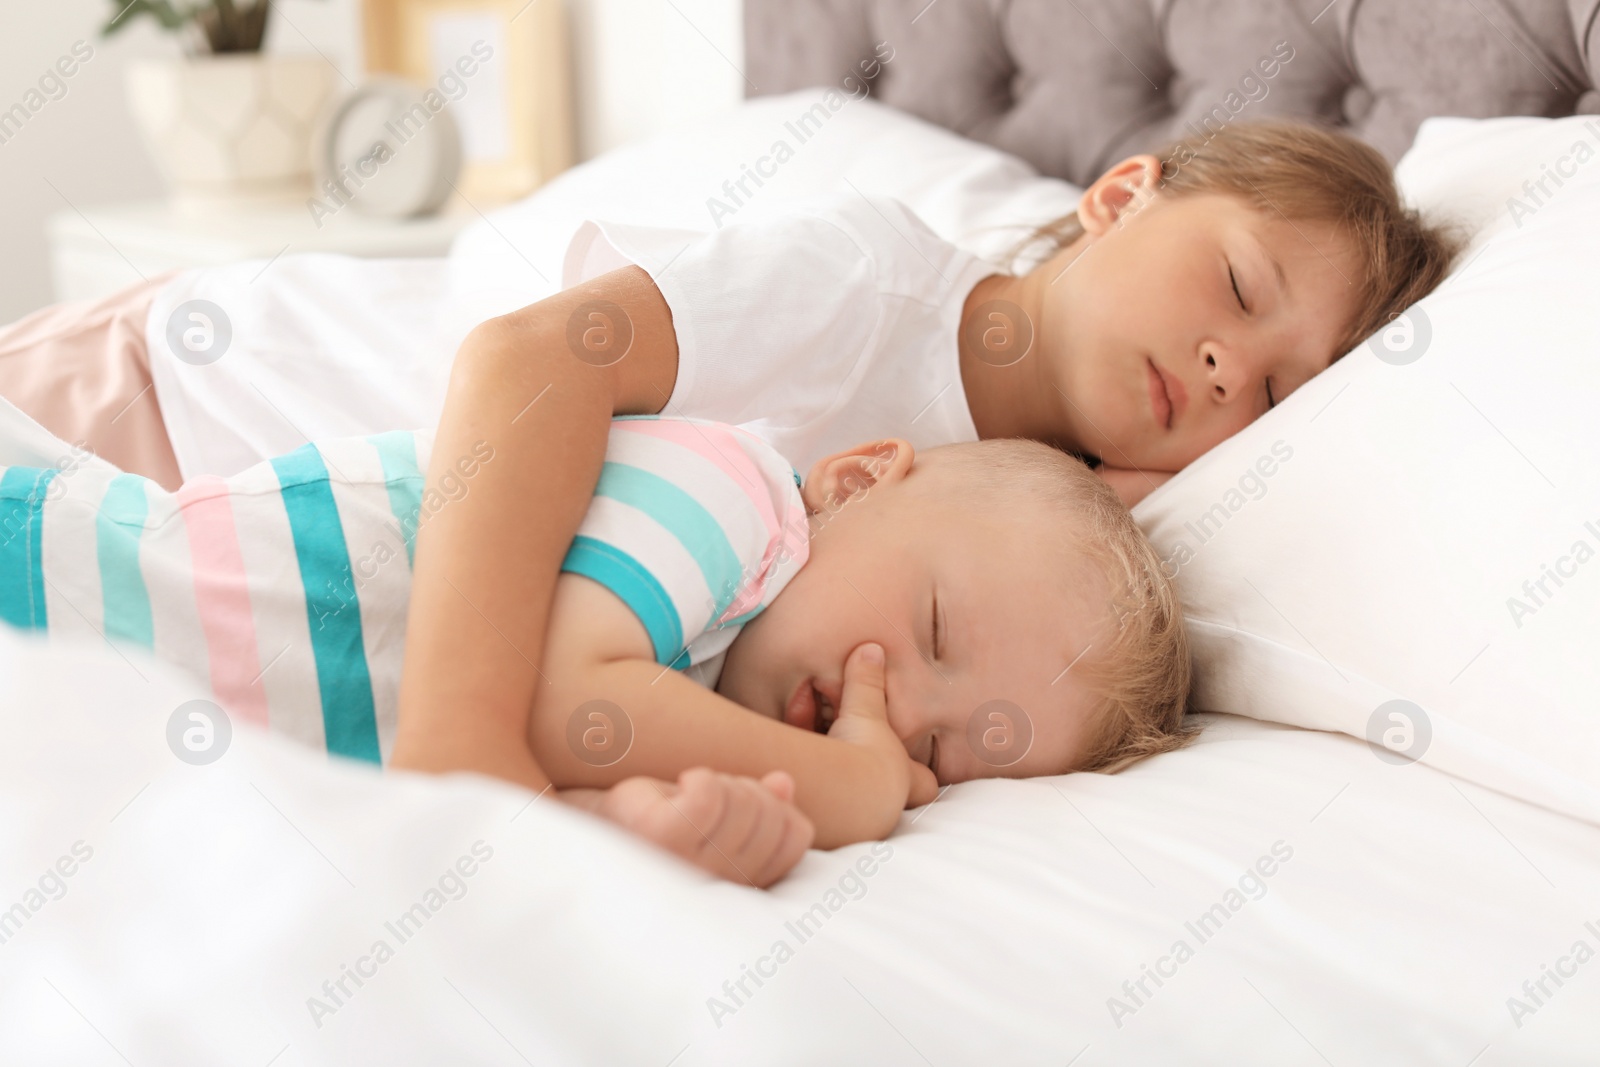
975	196
1382	535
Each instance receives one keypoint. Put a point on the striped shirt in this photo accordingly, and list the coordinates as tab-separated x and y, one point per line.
285	587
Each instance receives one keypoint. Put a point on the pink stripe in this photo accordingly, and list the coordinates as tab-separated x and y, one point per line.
733	461
222	597
730	459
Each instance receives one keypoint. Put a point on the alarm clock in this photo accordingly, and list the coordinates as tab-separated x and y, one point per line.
388	148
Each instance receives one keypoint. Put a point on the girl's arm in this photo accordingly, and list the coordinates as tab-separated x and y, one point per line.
539	386
852	783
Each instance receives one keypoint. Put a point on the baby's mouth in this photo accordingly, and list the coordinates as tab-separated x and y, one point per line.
801	710
826	712
809	709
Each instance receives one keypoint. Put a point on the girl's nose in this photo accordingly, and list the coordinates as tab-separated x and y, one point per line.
1225	372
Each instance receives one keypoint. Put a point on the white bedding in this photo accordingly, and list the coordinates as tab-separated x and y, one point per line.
219	898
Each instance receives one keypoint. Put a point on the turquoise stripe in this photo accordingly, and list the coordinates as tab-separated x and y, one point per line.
332	607
398	453
637	587
685	518
117	529
22	492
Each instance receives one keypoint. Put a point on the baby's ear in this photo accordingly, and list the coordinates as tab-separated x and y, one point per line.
843	475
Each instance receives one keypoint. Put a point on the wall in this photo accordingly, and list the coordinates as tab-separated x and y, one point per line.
639	66
647	65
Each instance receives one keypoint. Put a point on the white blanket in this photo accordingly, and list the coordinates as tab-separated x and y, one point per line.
1008	923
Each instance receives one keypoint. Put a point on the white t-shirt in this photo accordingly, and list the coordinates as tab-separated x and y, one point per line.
818	327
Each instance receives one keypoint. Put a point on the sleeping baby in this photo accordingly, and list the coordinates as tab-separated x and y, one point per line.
893	623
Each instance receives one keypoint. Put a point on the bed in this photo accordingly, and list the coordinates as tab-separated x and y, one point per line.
1295	888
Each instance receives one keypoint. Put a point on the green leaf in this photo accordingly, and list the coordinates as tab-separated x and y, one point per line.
129	10
228	25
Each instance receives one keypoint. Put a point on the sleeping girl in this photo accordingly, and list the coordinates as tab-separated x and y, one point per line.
705	582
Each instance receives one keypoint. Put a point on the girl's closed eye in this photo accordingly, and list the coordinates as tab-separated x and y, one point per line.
1235	283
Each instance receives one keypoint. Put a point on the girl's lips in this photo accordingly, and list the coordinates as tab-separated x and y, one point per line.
1168	397
1160	403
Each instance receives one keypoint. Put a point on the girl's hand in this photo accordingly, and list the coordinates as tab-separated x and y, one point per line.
899	782
737	828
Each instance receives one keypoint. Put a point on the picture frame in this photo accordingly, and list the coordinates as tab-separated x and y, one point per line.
501	67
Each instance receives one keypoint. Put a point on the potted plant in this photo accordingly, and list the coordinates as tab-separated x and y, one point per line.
226	124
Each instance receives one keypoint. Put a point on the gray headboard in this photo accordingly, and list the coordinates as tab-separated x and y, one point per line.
1072	86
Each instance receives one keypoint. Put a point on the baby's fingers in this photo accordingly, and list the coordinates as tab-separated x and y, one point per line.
924	786
734	827
778	837
863	684
780	784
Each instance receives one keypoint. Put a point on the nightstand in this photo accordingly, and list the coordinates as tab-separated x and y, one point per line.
102	249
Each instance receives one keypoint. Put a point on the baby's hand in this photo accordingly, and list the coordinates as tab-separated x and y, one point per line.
864	720
737	828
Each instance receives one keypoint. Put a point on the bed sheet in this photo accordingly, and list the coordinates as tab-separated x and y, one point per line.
1299	899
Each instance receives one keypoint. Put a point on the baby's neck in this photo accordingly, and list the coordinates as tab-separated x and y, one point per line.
1019	399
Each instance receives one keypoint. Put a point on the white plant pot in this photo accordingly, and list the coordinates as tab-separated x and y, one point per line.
231	130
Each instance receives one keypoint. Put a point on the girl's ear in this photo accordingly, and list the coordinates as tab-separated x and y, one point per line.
1118	192
843	475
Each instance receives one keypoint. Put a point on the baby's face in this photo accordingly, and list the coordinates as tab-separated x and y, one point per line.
971	609
1149	340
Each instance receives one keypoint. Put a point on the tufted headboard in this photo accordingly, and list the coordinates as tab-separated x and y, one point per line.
1072	86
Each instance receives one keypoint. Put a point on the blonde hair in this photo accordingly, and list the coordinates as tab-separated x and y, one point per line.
1139	667
1308	173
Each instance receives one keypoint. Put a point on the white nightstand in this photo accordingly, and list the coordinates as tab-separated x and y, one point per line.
103	249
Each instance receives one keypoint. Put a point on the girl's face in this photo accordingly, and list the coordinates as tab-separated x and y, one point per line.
1176	321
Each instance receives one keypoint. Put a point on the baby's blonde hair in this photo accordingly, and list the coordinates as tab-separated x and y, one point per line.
1138	664
1304	172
